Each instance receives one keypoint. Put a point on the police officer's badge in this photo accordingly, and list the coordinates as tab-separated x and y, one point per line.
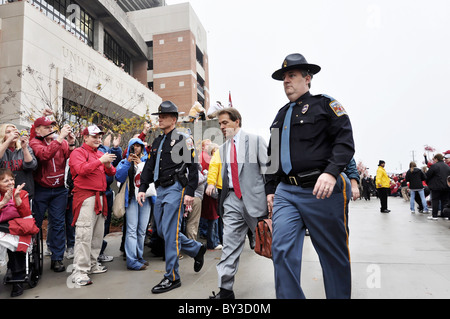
305	108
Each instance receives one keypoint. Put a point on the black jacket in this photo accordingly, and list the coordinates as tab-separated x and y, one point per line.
321	137
437	176
415	178
176	150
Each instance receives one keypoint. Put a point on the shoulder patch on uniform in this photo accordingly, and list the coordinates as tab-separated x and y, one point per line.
337	107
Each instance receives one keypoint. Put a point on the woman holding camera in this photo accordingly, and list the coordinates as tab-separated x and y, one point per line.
17	155
137	216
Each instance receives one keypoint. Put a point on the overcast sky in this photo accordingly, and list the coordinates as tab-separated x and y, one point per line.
387	62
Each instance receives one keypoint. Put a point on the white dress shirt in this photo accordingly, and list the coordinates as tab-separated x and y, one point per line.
236	142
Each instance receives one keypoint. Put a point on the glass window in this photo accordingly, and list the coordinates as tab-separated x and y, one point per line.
71	16
115	53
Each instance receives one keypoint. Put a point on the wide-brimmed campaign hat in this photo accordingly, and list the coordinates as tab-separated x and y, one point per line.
168	107
295	61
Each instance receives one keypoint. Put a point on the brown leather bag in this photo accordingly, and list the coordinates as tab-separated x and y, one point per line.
263	240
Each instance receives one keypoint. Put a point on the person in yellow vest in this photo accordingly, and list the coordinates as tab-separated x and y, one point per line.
383	186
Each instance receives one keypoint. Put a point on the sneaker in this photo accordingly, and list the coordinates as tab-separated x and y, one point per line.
98	269
432	218
218	247
104	258
413	212
70	253
47	251
83	280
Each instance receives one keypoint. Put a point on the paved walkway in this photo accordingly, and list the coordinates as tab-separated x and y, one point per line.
395	255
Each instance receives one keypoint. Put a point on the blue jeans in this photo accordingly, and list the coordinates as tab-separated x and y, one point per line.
54	201
422	197
137	223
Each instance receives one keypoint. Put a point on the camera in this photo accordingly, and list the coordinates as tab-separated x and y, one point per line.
23	133
132	149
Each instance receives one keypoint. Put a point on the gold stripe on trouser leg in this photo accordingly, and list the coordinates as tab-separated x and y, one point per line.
345	210
178	229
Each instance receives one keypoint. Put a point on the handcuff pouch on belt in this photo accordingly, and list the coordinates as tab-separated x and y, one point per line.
179	175
306	179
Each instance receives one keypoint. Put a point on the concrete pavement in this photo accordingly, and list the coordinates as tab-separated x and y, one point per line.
395	255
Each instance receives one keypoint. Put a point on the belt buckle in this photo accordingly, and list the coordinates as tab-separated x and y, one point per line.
293	178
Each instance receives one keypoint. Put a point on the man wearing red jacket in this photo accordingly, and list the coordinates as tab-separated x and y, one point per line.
52	152
88	167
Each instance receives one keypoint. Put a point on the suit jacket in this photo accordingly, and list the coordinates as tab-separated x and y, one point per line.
252	159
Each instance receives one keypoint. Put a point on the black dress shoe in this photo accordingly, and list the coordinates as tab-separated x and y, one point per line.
57	266
17	290
166	285
199	259
385	211
223	294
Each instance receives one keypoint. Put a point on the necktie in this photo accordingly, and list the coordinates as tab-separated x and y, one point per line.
234	170
158	159
285	155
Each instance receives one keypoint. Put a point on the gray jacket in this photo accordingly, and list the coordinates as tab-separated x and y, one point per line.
252	158
23	171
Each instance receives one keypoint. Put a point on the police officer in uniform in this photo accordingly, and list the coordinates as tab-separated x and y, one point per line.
311	144
172	168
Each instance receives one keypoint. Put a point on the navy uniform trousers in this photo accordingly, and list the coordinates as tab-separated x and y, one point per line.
168	214
297	209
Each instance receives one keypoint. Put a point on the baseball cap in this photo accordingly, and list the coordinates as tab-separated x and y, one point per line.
92	130
43	121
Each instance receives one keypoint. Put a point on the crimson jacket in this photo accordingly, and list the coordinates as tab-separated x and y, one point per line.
87	170
24	209
52	159
89	179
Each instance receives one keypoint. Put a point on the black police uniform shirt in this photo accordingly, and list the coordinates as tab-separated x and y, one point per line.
175	144
321	135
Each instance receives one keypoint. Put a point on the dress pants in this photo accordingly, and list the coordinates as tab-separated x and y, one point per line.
297	209
236	222
168	214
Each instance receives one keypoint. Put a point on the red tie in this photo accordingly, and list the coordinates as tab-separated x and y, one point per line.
234	170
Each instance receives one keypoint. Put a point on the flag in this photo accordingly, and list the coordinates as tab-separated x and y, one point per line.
230	104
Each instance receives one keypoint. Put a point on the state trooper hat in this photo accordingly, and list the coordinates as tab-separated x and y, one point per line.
295	61
167	107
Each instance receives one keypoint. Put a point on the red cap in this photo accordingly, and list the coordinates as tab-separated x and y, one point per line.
43	121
